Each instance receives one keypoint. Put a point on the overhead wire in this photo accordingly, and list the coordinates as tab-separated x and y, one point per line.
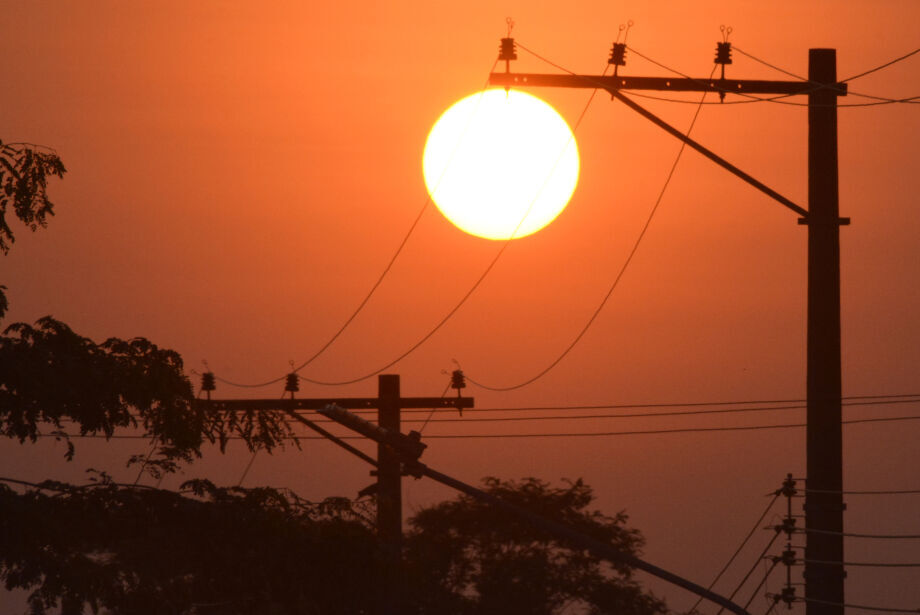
553	434
624	416
855	535
738	550
864	564
860	607
772	99
807	80
369	294
885	65
762	581
468	294
753	568
623	268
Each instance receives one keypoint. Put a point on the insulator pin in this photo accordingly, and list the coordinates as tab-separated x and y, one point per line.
723	53
508	50
618	55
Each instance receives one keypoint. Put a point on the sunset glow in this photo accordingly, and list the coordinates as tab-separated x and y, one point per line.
501	165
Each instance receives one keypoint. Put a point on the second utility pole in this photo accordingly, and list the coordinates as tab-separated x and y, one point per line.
389	493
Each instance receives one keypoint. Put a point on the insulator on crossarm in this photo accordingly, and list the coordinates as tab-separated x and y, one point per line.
457	381
208	383
618	55
508	50
291	384
723	53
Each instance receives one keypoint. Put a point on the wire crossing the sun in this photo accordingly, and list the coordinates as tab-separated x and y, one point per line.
877	100
442	322
620	273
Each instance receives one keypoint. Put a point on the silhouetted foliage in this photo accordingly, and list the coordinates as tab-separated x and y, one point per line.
50	375
24	172
467	557
143	551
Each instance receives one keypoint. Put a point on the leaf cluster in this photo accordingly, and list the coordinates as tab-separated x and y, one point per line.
206	549
24	172
480	559
51	376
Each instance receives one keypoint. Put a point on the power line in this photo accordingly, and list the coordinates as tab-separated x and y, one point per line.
864	564
623	268
858	606
872	492
881	66
574	417
762	581
773	99
614	406
738	550
373	289
546	435
469	293
753	568
805	79
852	535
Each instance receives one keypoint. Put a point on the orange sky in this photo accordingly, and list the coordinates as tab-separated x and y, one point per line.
239	175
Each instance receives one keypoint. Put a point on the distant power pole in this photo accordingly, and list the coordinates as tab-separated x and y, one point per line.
824	575
388	490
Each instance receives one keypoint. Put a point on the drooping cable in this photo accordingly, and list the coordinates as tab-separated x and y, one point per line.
881	66
469	293
762	581
805	79
753	568
373	288
860	607
617	278
738	550
771	99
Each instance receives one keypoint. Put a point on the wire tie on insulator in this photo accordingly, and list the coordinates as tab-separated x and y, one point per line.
510	23
629	25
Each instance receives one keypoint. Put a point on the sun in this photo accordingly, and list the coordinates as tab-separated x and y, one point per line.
501	164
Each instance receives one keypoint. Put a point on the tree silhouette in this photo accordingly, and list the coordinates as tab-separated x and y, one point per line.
142	551
467	557
24	172
125	549
49	374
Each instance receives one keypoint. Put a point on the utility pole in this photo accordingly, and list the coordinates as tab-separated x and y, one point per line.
824	575
389	462
389	492
824	506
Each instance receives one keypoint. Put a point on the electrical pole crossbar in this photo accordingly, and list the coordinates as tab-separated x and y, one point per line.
666	84
824	574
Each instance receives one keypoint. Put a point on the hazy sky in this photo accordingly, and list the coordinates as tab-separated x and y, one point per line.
240	173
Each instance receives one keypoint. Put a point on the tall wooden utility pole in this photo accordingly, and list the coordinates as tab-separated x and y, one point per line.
824	506
824	574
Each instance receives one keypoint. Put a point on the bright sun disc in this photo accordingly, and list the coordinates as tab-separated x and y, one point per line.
501	164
